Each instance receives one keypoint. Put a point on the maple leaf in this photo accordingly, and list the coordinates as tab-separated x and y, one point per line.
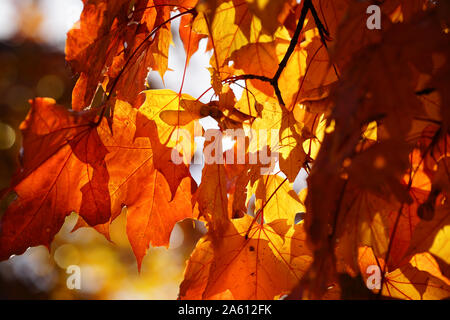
268	12
127	43
63	170
189	37
151	211
212	195
252	253
418	279
292	155
276	199
340	148
90	36
152	220
432	236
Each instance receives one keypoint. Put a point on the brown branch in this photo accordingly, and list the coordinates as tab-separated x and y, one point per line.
324	35
323	32
294	41
249	77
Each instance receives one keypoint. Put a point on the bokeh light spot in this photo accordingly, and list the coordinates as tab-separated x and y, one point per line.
7	136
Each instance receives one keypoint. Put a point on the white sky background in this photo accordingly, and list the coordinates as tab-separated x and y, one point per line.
59	17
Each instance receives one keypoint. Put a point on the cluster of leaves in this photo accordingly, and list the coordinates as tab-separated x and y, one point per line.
364	112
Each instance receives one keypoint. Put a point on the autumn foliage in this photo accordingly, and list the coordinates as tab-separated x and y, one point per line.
366	113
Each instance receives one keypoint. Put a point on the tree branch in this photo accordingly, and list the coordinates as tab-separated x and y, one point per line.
324	36
294	40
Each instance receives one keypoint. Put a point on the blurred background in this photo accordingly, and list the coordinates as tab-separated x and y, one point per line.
32	64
